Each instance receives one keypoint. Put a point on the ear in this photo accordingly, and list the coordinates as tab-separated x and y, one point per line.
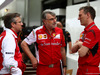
12	24
88	15
44	21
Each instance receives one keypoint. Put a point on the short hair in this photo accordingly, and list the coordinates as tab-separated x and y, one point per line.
47	12
9	18
89	9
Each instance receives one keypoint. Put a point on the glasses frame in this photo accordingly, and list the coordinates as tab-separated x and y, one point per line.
52	19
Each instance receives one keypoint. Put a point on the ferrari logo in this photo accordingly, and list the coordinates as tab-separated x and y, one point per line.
54	34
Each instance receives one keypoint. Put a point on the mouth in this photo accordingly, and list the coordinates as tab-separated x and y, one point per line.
54	24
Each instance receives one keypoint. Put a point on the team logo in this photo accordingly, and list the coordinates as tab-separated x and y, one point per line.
54	34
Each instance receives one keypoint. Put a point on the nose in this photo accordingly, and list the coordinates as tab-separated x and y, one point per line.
55	20
21	23
78	18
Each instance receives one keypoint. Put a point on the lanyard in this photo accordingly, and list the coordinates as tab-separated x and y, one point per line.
88	29
49	33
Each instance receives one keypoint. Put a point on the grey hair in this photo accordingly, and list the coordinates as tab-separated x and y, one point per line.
47	12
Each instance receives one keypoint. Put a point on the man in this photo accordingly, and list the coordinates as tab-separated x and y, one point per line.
50	44
66	35
88	46
10	57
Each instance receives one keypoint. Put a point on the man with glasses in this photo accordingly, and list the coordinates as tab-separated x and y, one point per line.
11	62
49	41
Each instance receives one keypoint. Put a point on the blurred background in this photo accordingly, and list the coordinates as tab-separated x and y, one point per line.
65	10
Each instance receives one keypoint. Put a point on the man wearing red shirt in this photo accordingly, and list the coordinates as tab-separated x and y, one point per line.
49	41
88	46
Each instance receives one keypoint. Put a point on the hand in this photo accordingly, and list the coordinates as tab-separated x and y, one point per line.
88	52
64	70
34	62
16	71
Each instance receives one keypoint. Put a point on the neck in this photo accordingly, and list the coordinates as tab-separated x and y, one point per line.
49	30
90	21
13	30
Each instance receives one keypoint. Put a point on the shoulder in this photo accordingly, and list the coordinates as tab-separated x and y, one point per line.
38	28
9	36
58	29
94	30
8	39
66	32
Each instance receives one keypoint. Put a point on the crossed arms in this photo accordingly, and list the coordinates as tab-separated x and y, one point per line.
78	47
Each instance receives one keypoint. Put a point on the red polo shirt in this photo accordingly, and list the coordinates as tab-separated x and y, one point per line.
47	46
91	39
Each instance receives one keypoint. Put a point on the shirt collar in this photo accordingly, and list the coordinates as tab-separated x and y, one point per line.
44	28
89	26
12	32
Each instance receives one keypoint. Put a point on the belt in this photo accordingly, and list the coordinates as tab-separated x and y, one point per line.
51	65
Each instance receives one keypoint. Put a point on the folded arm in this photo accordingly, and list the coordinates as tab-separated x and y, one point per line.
78	47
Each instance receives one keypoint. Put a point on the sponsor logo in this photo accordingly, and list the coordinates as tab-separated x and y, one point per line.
9	53
42	36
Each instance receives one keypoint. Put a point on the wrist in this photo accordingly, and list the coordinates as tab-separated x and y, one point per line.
64	66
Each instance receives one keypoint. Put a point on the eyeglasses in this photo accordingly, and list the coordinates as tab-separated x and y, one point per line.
19	22
52	19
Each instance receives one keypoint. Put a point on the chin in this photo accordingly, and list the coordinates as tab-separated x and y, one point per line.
83	24
20	30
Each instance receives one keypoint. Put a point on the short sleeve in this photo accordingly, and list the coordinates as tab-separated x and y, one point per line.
31	38
91	38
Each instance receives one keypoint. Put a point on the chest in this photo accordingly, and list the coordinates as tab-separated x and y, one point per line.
45	39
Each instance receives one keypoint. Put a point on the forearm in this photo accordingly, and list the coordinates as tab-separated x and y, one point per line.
83	51
63	60
29	54
70	45
12	66
27	50
76	46
63	56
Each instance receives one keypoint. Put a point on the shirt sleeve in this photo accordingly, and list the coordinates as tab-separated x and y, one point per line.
91	38
31	38
8	46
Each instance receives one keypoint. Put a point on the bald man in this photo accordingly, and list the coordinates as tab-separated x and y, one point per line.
66	35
